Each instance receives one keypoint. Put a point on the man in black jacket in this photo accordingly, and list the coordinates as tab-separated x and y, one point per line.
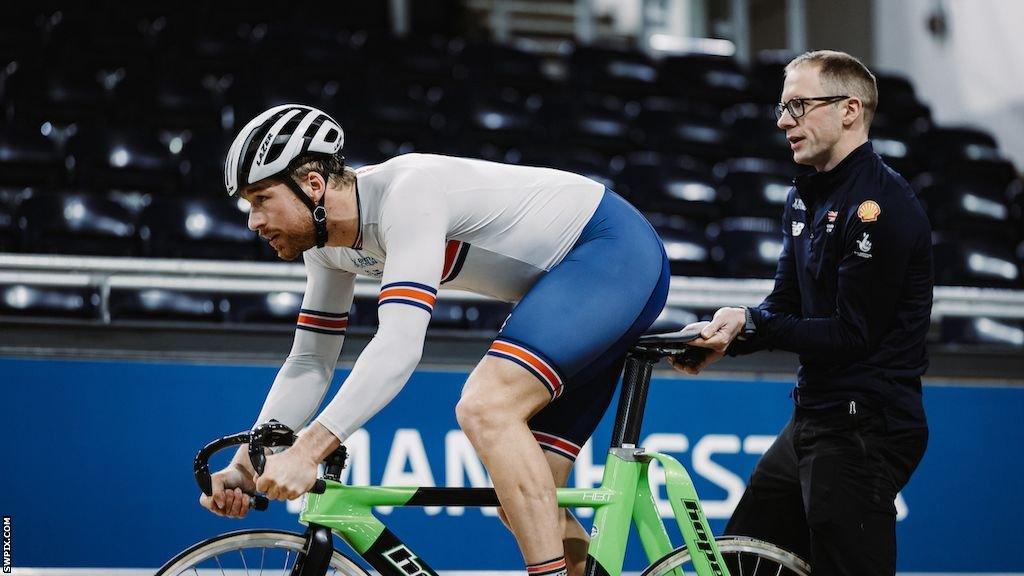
852	296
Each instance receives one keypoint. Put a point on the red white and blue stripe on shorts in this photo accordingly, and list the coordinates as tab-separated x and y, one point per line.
559	446
540	367
333	323
410	293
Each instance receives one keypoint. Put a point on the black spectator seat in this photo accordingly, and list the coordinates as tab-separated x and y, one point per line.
745	247
755	186
983	331
689	253
265	308
125	158
421	60
970	262
404	112
970	207
898	106
597	121
208	228
496	66
946	145
753	132
52	301
8	228
767	73
706	78
693	135
625	73
504	117
11	198
77	223
166	304
28	158
450	314
593	164
678	186
898	150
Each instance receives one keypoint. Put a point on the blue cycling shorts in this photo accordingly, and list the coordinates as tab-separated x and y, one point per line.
573	328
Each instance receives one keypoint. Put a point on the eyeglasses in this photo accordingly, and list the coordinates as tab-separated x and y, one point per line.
797	107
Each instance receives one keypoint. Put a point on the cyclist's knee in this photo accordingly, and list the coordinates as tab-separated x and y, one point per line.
477	415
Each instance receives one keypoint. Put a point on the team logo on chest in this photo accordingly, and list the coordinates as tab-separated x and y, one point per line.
868	211
798	204
864	246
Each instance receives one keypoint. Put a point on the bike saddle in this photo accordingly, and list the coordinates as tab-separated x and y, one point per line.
676	343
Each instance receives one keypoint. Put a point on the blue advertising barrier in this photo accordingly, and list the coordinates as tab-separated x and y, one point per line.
96	468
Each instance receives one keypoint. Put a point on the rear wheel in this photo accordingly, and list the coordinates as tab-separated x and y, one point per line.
250	552
743	557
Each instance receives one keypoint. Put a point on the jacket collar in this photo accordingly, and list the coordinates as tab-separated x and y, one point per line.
814	185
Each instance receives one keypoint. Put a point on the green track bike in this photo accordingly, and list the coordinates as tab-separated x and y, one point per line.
623	499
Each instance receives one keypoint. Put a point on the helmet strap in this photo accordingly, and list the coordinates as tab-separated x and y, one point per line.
317	209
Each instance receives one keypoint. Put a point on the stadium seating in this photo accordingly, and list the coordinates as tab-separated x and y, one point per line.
77	223
745	247
117	150
24	300
970	262
211	228
132	304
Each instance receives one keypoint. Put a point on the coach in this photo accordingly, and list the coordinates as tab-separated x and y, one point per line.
852	296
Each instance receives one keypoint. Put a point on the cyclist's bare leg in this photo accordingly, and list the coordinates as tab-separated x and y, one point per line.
575	539
497	401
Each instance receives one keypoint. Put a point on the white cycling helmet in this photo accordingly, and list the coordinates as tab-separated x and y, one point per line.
268	144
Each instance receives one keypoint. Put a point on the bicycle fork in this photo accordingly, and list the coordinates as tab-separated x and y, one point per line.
315	558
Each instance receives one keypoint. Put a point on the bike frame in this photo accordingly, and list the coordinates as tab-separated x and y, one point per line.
623	497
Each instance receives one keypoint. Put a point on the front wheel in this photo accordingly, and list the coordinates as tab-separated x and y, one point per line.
743	557
251	552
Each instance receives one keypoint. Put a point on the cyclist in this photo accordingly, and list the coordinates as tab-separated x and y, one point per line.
587	272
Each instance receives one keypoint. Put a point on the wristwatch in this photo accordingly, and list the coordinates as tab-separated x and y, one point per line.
749	328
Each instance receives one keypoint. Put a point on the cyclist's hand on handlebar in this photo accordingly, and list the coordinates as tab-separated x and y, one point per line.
229	487
287	475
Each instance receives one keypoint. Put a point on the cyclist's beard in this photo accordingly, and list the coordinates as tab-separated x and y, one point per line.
292	244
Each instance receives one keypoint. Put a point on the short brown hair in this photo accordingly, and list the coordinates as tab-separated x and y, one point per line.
842	74
340	175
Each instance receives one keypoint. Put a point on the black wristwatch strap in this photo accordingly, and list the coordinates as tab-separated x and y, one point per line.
749	328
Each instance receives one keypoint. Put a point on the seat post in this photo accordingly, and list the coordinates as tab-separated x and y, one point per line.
636	380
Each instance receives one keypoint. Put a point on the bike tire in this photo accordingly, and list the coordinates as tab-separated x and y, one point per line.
743	557
236	543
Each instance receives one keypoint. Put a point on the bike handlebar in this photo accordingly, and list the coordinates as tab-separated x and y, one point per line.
270	435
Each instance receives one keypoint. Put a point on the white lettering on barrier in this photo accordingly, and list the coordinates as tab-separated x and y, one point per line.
462	463
704	466
667	444
407	451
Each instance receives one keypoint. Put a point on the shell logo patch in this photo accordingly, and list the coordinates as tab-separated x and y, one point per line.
868	211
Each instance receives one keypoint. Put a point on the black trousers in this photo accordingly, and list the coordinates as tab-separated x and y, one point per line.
825	490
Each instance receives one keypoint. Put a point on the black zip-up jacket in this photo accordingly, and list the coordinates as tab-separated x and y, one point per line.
853	290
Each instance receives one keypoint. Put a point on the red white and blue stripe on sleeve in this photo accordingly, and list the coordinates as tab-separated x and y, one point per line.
410	293
323	322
